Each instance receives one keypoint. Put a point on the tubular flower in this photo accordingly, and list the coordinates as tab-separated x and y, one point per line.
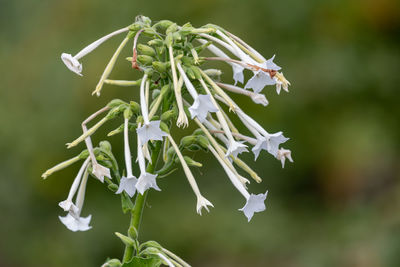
175	89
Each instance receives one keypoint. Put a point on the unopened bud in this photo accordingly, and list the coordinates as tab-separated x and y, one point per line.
125	239
156	42
145	59
213	72
105	145
188	140
192	162
112	263
135	107
128	113
167	115
115	102
164	127
202	141
163	24
171	28
146	50
161	67
132	232
113	187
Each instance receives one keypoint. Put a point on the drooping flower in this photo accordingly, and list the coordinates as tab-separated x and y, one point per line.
72	62
128	182
202	202
262	78
73	221
254	203
202	103
150	129
68	205
146	180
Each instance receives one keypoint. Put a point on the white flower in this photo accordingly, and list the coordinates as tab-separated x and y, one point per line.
146	180
68	205
254	203
201	106
274	140
150	131
202	202
76	223
238	75
72	62
236	148
259	99
261	78
72	220
284	154
262	144
128	183
202	103
100	171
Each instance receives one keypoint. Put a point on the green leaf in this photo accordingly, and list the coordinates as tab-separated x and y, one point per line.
151	261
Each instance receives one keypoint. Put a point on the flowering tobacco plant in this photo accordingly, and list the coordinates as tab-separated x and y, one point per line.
174	91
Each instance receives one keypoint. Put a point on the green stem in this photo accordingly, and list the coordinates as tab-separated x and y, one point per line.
137	212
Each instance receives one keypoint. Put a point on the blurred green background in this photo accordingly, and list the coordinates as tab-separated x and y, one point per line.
337	205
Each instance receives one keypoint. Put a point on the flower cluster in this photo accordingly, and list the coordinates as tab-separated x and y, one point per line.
176	91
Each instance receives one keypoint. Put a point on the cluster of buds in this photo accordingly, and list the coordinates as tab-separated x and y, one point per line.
175	91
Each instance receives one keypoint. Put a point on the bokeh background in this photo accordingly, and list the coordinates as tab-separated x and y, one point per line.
337	205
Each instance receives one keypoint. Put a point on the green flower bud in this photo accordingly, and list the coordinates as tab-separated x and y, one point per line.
156	42
115	102
202	141
105	145
132	232
113	187
146	50
128	113
171	28
150	251
135	27
169	40
190	73
84	154
143	20
161	67
177	36
135	107
139	119
188	140
167	115
198	132
149	32
163	24
196	72
144	59
190	162
125	239
164	127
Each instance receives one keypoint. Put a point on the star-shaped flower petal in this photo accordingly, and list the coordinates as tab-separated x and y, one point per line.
269	64
76	223
255	203
100	171
235	148
72	63
150	131
284	154
201	106
237	73
262	144
259	81
274	140
68	206
146	181
202	202
127	184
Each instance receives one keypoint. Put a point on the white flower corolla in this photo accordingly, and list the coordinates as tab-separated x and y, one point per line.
73	221
262	144
68	205
202	103
281	82
72	62
201	106
150	129
202	202
236	68
284	154
98	170
76	223
274	140
235	148
259	99
254	203
146	180
128	182
261	78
